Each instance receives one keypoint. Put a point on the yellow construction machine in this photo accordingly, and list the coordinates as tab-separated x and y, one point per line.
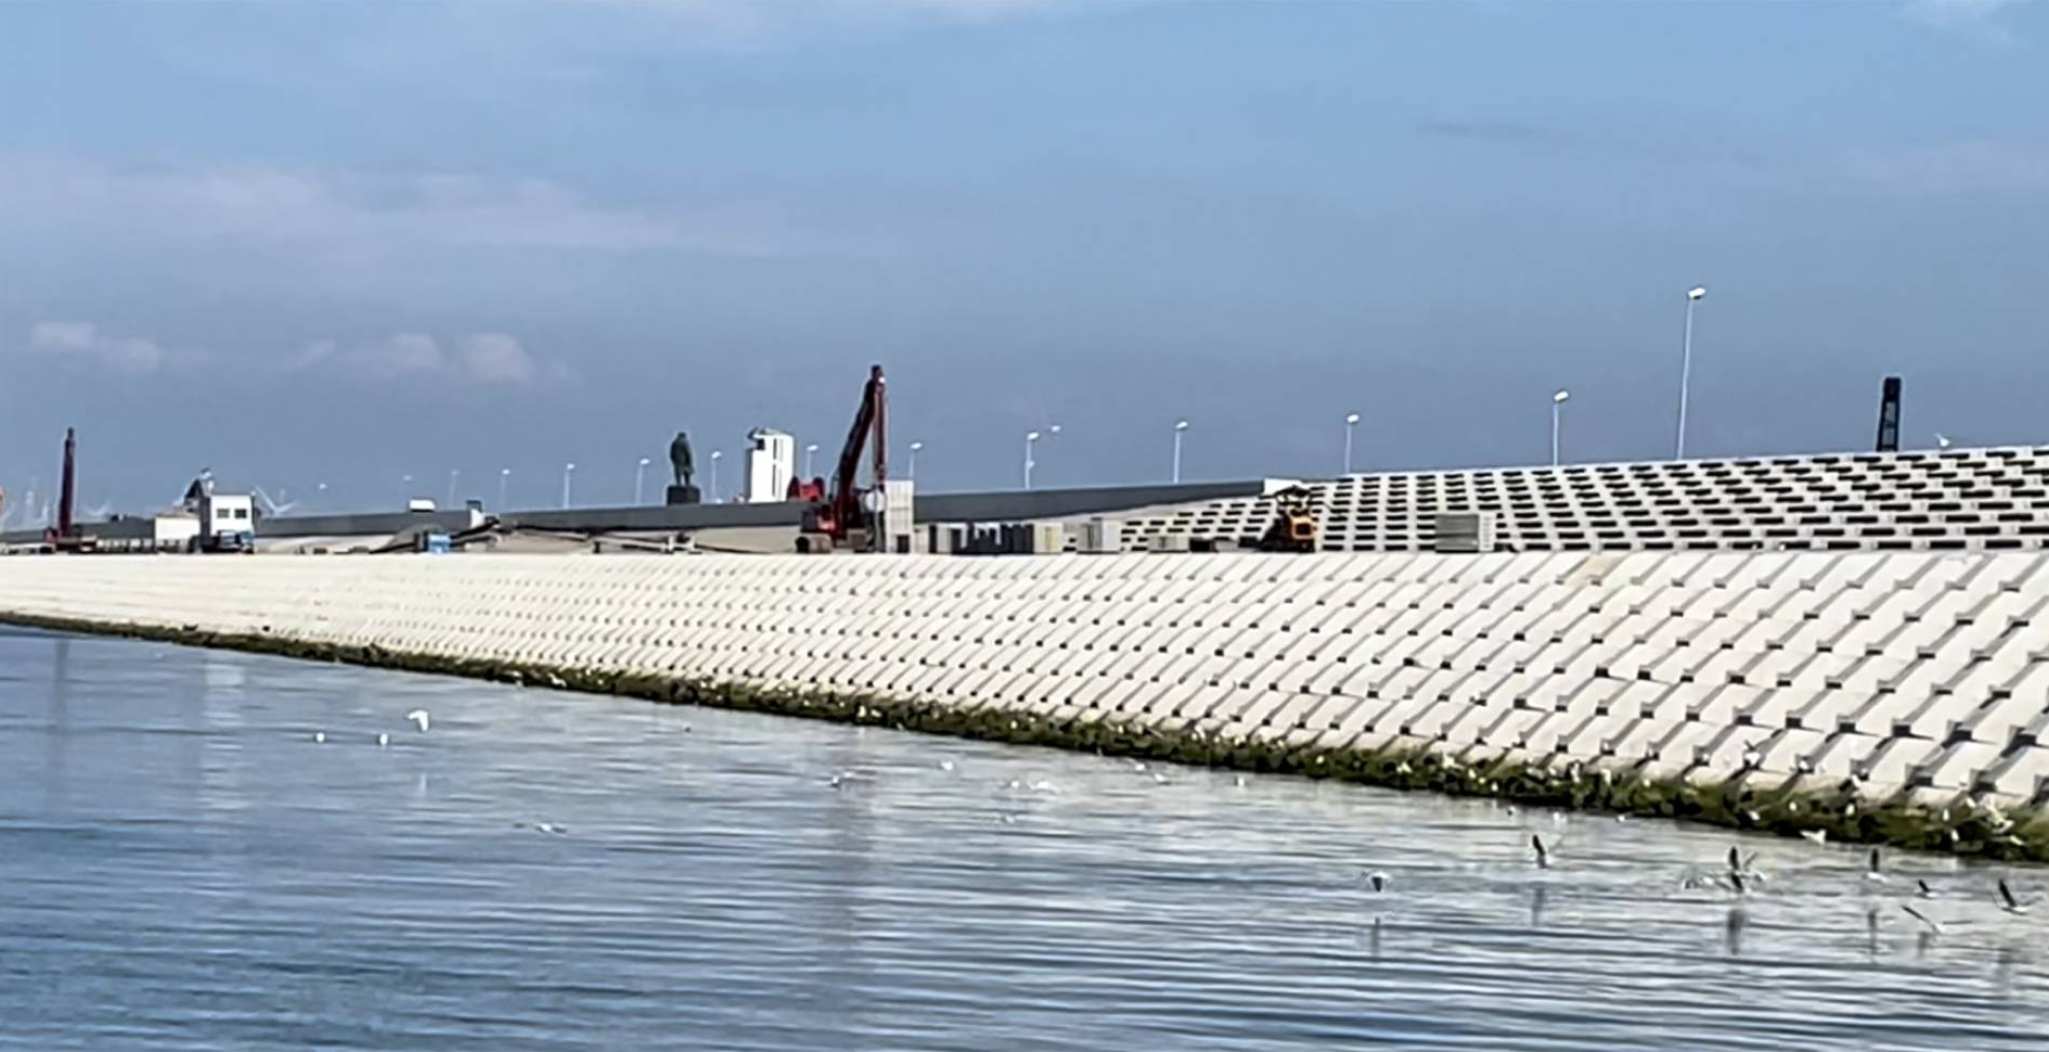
1294	527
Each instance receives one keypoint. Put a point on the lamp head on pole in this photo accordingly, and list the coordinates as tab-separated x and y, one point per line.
916	446
1561	397
1351	418
1180	425
1696	292
1031	436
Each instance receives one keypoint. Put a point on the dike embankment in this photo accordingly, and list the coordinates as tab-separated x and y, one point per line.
1881	697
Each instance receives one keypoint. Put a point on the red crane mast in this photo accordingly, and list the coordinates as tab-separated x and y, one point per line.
843	512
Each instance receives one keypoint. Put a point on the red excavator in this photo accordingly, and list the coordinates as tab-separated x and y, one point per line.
842	520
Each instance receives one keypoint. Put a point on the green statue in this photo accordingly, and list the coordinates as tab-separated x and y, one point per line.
679	459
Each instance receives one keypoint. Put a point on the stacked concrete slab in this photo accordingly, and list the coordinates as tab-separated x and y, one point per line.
1952	500
1924	672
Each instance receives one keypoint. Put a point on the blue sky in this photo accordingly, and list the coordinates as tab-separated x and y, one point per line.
344	243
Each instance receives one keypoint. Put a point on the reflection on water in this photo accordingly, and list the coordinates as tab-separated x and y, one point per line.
182	865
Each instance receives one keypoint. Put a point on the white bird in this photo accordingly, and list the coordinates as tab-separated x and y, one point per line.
1932	926
319	737
2010	904
1377	879
1543	855
1159	779
1138	765
383	739
1873	874
550	828
1819	836
1042	786
420	719
1239	781
946	765
1922	890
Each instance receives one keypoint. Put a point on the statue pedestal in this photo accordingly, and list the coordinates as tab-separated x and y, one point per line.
684	495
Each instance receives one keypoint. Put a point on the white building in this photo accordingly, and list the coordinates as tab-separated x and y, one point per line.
771	463
175	531
223	513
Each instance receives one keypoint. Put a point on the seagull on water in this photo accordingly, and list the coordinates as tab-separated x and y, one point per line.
1819	836
1378	880
1543	855
1736	883
1874	874
1933	927
1744	867
1922	890
946	765
420	719
320	737
383	739
2010	904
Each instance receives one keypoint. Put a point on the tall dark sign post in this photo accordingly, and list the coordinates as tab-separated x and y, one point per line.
1889	416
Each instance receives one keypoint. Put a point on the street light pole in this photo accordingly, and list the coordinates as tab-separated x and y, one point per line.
715	455
1351	422
808	450
568	470
1031	437
504	480
912	475
639	470
454	474
1180	428
1557	409
1693	296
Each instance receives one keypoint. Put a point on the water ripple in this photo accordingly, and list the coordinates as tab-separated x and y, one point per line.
183	866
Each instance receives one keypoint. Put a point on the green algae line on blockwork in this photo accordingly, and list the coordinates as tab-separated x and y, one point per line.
1840	813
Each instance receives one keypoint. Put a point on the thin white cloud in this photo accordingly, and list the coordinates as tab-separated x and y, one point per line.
404	354
495	358
83	340
367	220
1962	167
1977	18
485	359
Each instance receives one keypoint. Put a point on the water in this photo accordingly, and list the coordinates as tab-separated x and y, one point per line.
183	866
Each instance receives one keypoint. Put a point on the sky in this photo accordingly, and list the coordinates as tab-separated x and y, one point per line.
311	244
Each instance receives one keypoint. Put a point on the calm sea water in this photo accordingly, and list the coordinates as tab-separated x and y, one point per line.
182	865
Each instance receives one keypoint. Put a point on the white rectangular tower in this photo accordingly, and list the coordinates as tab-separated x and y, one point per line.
771	461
